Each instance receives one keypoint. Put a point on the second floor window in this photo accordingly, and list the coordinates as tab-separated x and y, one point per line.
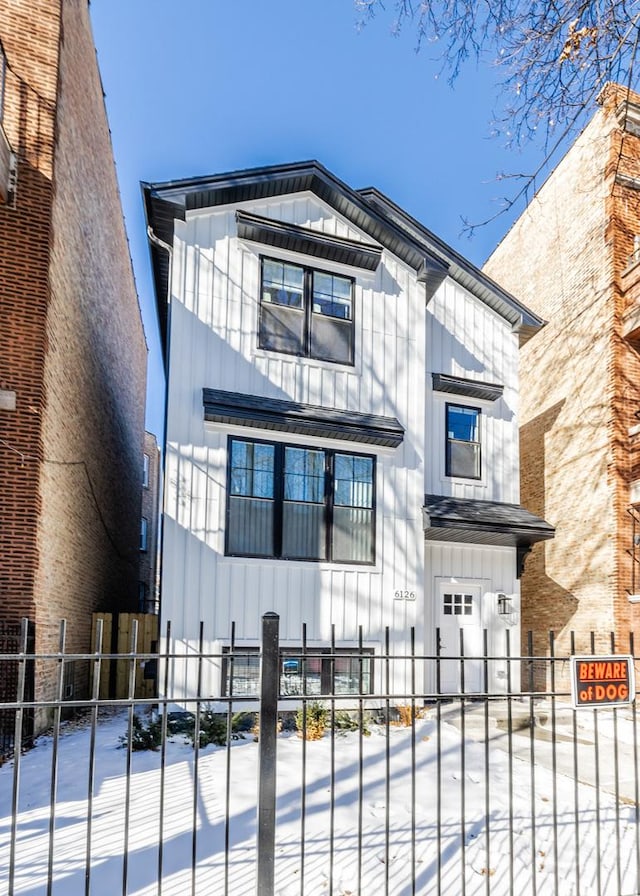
306	312
463	441
295	503
145	470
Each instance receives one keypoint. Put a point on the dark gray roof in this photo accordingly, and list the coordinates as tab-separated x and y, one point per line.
308	242
368	210
239	409
458	385
482	522
523	320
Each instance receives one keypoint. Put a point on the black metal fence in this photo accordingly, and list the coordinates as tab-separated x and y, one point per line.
15	638
289	791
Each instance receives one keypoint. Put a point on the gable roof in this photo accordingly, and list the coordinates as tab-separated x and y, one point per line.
368	210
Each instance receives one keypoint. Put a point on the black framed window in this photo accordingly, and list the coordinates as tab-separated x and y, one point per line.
306	312
463	441
317	672
297	503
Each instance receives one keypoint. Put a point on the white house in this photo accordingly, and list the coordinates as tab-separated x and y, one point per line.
341	441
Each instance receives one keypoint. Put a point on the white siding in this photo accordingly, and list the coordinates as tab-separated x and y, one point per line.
467	339
213	339
494	569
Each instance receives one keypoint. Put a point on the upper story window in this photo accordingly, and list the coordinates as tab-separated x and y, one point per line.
145	470
295	503
306	312
463	441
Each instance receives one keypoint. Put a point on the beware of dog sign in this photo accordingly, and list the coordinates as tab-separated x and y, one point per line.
602	680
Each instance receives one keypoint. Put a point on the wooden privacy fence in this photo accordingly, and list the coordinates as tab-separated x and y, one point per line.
117	638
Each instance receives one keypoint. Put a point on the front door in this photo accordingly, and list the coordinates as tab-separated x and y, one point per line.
461	636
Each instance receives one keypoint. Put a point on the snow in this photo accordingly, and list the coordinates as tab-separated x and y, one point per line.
534	828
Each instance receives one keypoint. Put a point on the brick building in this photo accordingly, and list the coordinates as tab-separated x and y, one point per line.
72	347
574	257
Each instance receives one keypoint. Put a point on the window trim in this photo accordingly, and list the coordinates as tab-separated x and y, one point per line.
279	502
307	310
447	440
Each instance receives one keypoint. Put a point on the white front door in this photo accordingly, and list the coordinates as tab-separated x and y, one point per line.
459	620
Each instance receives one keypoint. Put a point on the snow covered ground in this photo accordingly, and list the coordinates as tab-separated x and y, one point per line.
528	829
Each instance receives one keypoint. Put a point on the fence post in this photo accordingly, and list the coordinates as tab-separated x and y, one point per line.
269	687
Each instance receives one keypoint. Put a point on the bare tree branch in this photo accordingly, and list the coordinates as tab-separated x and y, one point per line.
553	57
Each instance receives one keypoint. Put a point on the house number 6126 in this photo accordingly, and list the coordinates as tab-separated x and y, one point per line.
404	594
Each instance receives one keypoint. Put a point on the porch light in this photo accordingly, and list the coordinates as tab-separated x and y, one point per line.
505	607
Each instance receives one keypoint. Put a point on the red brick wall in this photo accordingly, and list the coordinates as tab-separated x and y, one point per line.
29	33
78	364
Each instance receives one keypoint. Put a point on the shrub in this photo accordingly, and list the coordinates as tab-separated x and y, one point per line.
347	721
312	723
213	729
145	735
406	713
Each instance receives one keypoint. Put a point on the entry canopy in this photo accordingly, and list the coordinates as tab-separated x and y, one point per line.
484	522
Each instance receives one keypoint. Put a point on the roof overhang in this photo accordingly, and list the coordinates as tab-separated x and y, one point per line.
257	412
164	203
309	242
523	321
376	216
483	522
458	385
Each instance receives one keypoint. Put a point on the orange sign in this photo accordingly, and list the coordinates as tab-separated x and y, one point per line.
602	680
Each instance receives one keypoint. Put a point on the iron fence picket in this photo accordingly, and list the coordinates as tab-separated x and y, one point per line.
554	762
478	832
636	780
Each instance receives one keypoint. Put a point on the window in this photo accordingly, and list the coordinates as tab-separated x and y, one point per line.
145	470
296	503
318	671
457	604
306	312
463	441
143	534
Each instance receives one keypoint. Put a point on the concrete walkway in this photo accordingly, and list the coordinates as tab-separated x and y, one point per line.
596	746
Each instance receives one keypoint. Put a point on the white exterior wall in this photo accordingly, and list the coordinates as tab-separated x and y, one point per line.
493	571
465	338
213	343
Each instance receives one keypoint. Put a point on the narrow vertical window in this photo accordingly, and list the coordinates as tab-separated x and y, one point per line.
143	534
353	509
463	441
304	531
250	518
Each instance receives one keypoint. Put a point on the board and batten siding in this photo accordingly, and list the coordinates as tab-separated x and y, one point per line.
213	339
493	569
465	338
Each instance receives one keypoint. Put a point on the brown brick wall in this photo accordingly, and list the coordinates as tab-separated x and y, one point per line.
579	389
80	399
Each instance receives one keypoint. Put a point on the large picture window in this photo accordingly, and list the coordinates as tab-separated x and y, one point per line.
463	441
306	312
297	503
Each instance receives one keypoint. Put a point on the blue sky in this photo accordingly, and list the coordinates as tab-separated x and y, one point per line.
205	86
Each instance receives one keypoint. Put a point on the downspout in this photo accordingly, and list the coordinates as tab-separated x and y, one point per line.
160	244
